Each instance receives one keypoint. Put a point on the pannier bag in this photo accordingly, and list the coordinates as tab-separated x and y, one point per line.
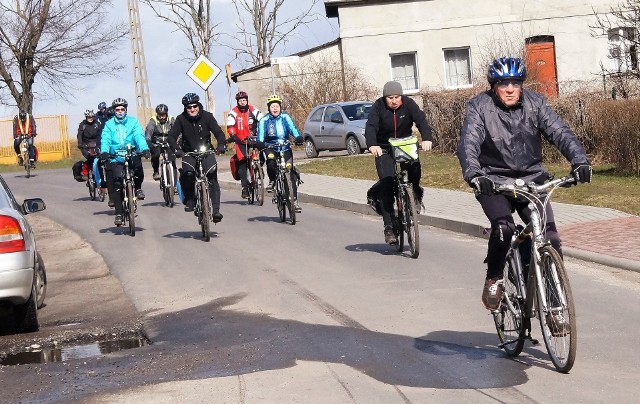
77	170
233	164
405	149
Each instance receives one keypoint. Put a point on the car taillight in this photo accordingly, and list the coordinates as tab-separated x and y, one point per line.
11	237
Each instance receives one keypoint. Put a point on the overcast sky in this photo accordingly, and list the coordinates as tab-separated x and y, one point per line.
166	72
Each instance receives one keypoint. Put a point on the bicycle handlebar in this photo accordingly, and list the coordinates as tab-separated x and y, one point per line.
519	185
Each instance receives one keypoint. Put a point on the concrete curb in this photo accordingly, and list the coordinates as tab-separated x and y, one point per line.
450	224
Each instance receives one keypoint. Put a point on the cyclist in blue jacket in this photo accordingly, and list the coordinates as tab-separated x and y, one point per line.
117	133
274	128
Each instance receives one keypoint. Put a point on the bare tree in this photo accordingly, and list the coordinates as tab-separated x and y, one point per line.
52	40
621	26
256	39
194	19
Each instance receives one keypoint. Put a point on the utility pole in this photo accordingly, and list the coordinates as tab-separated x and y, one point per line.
143	103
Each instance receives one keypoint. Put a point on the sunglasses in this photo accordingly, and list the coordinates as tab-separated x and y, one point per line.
120	109
192	106
514	83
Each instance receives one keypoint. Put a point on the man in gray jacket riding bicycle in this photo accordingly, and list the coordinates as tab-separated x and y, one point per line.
500	141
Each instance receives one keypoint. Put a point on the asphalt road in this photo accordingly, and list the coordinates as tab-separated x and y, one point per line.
321	311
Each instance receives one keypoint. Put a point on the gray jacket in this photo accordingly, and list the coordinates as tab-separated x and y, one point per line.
505	143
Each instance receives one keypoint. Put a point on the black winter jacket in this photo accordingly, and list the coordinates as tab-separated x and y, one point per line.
195	132
506	143
384	123
89	132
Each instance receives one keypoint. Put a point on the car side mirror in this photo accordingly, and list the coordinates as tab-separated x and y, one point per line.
33	205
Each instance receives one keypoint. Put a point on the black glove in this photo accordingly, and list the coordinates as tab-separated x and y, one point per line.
482	184
146	154
222	149
104	156
581	172
299	141
233	139
259	145
179	153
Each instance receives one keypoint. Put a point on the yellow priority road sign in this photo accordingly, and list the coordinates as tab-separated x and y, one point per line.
203	72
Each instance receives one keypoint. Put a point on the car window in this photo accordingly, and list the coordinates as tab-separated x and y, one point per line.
316	116
356	112
331	112
7	196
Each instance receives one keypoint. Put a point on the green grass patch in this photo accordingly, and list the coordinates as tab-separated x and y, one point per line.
607	190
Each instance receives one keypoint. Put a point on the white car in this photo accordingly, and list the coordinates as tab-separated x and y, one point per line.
23	279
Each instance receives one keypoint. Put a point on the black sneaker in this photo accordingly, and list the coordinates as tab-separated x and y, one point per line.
492	294
139	194
245	193
119	220
270	186
390	236
296	206
111	203
216	217
156	176
558	325
189	205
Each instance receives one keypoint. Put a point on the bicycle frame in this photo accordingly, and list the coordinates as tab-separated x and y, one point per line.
167	177
201	210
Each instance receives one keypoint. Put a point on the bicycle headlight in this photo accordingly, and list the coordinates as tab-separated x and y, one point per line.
203	148
288	165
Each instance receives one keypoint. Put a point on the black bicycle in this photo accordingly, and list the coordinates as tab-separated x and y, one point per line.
405	214
24	155
256	176
203	208
540	288
129	199
167	174
91	180
283	186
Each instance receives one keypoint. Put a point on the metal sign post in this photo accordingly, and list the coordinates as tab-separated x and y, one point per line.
281	61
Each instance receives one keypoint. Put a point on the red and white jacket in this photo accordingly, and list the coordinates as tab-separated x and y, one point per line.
242	125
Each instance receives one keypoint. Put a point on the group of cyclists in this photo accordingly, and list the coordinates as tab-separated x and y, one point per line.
500	141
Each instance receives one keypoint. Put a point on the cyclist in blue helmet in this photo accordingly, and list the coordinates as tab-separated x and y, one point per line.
500	141
101	115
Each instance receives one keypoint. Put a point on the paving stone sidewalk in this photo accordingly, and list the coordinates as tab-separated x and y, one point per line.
601	235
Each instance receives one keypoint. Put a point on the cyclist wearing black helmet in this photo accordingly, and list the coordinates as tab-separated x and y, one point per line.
242	122
101	115
24	125
89	137
196	126
156	132
501	140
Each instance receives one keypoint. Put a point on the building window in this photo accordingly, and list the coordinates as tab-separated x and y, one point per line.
457	66
623	49
404	70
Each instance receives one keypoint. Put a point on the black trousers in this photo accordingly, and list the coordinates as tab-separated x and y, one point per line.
499	208
115	181
188	179
383	189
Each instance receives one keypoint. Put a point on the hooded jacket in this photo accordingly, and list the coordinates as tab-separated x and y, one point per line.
118	133
196	131
506	143
384	123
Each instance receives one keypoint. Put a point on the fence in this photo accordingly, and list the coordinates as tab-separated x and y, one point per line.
52	140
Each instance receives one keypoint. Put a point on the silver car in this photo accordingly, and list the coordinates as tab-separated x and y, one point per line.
23	279
337	126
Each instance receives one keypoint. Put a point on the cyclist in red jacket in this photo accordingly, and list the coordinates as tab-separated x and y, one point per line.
24	125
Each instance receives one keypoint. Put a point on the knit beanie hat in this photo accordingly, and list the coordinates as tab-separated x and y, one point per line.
392	88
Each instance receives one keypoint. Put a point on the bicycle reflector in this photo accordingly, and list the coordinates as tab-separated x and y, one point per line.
11	237
405	149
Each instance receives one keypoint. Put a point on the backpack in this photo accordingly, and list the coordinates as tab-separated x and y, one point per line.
77	170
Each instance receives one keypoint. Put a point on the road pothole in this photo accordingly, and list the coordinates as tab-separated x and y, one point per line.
63	352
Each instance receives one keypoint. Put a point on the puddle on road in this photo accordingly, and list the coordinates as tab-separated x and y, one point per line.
37	354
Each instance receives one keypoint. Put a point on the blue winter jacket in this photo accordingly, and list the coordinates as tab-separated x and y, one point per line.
118	133
276	129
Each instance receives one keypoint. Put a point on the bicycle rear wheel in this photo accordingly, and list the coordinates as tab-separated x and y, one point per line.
560	337
205	214
398	227
280	199
411	223
131	206
509	319
258	185
289	198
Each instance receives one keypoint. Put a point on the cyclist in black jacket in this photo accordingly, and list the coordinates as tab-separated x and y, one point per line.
196	126
500	141
393	115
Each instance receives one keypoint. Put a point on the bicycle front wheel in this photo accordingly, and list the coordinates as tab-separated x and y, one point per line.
258	186
91	183
398	227
131	206
411	223
556	310
27	165
281	199
205	213
509	318
289	199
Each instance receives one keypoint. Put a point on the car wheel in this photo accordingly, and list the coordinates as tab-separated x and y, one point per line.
41	281
353	147
26	315
310	149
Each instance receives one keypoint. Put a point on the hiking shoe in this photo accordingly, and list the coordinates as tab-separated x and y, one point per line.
139	194
189	205
245	193
558	325
119	220
270	186
297	207
216	217
156	176
20	160
390	236
111	203
492	294
419	194
32	163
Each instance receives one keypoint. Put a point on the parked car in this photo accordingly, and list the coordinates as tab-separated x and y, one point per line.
337	126
23	279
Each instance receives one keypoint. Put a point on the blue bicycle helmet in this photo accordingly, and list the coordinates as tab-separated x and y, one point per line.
102	105
190	98
506	68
